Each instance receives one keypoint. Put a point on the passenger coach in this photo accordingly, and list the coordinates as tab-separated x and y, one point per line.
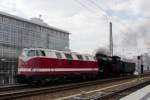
42	65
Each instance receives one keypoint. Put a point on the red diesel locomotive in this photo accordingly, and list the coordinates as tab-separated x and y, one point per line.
43	65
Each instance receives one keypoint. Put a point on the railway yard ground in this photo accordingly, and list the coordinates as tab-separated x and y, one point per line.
106	89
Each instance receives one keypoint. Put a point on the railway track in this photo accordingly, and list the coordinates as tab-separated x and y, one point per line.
124	92
12	87
29	91
113	92
116	94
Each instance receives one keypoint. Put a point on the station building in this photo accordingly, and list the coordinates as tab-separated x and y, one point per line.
17	33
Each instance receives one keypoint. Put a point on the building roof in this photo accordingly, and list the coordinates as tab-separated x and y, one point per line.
33	22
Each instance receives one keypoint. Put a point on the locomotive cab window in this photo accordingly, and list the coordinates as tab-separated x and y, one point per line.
68	56
24	53
58	55
80	57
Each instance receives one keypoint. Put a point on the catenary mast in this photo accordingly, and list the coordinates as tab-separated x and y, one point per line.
110	39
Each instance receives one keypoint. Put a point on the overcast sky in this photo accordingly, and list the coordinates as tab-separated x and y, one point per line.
88	21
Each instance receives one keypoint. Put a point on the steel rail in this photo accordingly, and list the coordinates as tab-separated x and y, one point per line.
11	87
118	92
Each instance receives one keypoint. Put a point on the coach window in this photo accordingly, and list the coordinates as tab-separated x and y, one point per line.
58	55
80	57
68	56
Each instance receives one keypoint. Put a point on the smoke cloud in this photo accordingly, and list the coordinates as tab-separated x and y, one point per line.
137	38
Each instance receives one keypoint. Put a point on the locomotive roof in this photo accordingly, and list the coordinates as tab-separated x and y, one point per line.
56	51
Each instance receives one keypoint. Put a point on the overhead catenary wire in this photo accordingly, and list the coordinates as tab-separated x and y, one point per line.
90	9
99	7
108	15
84	6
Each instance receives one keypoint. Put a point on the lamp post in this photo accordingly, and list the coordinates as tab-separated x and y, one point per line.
138	58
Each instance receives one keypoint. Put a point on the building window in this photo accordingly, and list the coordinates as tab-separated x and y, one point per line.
6	28
1	27
1	19
6	20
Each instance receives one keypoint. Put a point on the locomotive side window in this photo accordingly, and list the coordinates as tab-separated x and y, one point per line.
68	56
37	53
31	53
58	55
80	57
40	53
86	57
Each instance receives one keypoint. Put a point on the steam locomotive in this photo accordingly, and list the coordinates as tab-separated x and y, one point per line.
114	66
38	65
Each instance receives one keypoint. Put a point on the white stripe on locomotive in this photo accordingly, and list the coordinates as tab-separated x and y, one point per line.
55	69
